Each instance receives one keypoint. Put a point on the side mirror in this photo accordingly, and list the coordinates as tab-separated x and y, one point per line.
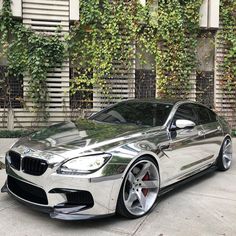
185	124
89	115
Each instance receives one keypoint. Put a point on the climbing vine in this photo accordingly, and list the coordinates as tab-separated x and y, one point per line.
31	54
108	33
176	26
104	35
228	36
108	30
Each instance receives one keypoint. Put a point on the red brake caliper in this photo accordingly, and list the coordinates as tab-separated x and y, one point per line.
145	190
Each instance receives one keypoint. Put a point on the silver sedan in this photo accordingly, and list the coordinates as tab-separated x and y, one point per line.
120	160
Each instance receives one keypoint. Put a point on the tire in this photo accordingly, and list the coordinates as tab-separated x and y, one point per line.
139	190
225	157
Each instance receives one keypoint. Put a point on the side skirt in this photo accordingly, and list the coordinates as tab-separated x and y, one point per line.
182	182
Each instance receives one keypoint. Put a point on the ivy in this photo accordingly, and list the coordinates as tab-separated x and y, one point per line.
32	54
105	34
108	30
172	35
228	35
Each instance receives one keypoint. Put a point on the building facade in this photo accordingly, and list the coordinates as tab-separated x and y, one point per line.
137	82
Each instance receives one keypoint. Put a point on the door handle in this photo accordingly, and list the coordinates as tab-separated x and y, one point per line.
201	133
164	146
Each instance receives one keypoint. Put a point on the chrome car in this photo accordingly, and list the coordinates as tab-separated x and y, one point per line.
119	160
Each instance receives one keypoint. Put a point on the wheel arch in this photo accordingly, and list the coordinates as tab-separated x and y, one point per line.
151	155
218	162
225	137
228	136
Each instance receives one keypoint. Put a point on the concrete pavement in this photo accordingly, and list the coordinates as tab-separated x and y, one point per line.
206	206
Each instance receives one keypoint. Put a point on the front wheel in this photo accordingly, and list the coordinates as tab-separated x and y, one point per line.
225	157
140	189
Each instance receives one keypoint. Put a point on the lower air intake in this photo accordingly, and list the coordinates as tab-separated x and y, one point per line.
27	191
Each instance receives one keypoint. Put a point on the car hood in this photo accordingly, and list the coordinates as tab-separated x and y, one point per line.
83	137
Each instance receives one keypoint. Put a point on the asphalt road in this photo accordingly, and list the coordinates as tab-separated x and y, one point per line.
206	206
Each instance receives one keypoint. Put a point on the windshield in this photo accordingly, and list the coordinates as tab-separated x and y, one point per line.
138	113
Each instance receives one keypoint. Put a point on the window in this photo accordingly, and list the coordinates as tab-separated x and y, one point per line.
11	90
204	115
82	98
213	116
145	83
205	88
138	113
185	112
145	75
205	69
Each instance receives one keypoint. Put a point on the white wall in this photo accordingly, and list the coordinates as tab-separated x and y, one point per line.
74	10
209	14
16	7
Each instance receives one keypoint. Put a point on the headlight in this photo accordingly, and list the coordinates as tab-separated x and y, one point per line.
84	165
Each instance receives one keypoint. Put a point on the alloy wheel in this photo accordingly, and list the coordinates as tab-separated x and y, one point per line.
227	153
141	187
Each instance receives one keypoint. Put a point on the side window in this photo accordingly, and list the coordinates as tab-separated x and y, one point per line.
185	112
212	116
204	115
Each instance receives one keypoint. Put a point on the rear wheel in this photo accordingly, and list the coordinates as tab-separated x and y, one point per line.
225	156
140	189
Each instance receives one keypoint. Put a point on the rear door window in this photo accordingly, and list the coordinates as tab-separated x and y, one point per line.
204	115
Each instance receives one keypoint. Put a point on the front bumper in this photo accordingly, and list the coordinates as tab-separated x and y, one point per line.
61	211
103	189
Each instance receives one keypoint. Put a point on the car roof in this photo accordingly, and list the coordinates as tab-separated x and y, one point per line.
156	100
165	101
